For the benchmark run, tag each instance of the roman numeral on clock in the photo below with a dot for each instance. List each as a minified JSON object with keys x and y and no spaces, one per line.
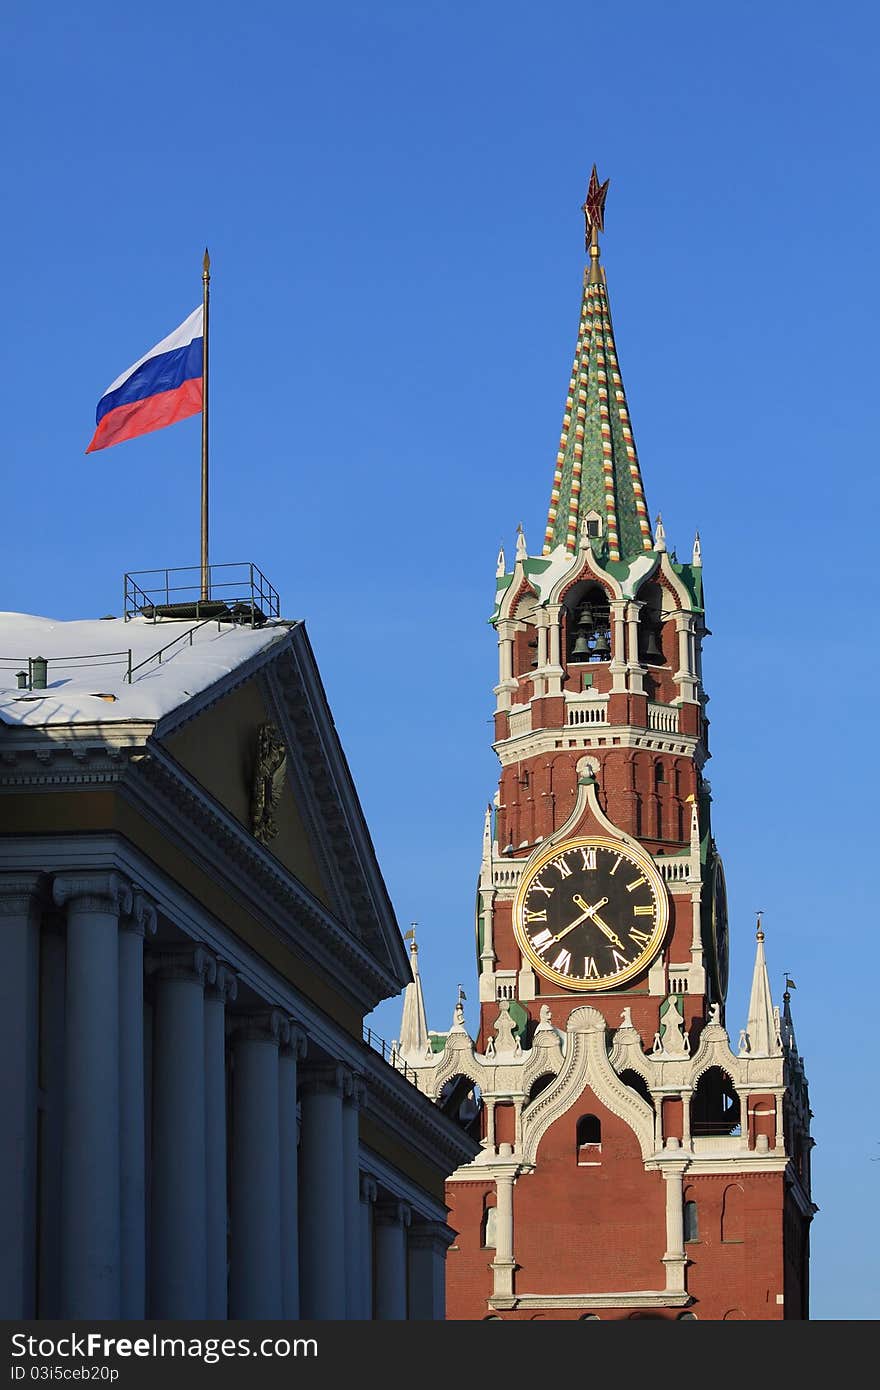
{"x":560,"y":864}
{"x":619,"y":960}
{"x":589,"y":858}
{"x":537,"y":915}
{"x":641,"y":938}
{"x":591,"y":971}
{"x":539,"y":888}
{"x":562,"y":962}
{"x":641,"y":910}
{"x":635,"y":883}
{"x":542,"y":940}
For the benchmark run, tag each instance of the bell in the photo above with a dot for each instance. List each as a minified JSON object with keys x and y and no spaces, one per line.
{"x":585,"y":617}
{"x":581,"y":649}
{"x":653,"y":649}
{"x":601,"y":646}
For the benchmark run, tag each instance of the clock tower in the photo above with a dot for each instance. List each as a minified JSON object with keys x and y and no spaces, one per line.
{"x":637,"y":1158}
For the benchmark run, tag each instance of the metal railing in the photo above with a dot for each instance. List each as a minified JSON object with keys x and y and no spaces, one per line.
{"x":28,"y":664}
{"x":390,"y":1055}
{"x":236,"y":592}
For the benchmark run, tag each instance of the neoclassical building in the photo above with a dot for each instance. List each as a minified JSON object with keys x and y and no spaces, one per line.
{"x":194,"y":926}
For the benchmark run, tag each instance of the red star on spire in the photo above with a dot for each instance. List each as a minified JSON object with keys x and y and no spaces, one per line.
{"x":594,"y":207}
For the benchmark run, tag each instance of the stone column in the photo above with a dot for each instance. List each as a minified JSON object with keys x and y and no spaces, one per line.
{"x":322,"y":1194}
{"x":686,"y":1119}
{"x":255,"y":1269}
{"x":504,"y":1264}
{"x":674,"y":1258}
{"x":618,"y":663}
{"x":368,"y":1191}
{"x":391,"y":1221}
{"x":178,"y":1255}
{"x":636,"y":673}
{"x":90,"y":1165}
{"x":132,"y":1197}
{"x":352,"y":1104}
{"x":428,"y":1242}
{"x":288,"y":1064}
{"x":221,"y":991}
{"x":19,"y":1048}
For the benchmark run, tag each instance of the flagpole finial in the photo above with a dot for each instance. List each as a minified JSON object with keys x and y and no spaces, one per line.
{"x":206,"y":266}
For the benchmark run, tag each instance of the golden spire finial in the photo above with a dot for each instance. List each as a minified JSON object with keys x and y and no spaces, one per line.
{"x":206,"y":266}
{"x":594,"y":219}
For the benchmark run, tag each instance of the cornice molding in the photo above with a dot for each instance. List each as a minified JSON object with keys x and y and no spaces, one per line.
{"x":184,"y":811}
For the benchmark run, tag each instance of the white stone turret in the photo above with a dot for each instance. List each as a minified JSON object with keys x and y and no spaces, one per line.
{"x":761,"y":1035}
{"x":413,"y":1042}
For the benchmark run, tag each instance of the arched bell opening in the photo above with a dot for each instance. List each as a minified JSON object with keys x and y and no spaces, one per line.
{"x":715,"y":1107}
{"x":651,"y":627}
{"x":462,"y":1101}
{"x":587,"y":624}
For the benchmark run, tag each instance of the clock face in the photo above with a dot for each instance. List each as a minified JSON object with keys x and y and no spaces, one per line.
{"x":590,"y":913}
{"x":719,"y":927}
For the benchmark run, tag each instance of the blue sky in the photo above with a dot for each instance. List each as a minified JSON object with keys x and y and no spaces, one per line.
{"x":391,"y":198}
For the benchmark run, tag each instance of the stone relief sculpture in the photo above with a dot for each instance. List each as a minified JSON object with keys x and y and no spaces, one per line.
{"x":271,"y":764}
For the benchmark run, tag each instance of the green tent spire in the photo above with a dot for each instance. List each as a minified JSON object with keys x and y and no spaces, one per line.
{"x":597,"y":467}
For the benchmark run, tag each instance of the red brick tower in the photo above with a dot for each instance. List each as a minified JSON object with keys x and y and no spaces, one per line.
{"x":634,"y":1164}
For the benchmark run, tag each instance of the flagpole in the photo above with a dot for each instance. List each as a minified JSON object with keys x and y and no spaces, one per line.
{"x":206,"y":281}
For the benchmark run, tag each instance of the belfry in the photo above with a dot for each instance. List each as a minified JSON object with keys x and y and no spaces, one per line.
{"x":639,"y":1156}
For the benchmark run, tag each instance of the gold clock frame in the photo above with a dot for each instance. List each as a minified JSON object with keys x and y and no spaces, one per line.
{"x":636,"y":856}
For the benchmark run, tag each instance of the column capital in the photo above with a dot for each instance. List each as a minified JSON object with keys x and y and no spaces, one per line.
{"x":224,"y":986}
{"x":393,"y":1213}
{"x":295,"y":1040}
{"x":141,"y":917}
{"x":20,"y":892}
{"x":368,"y":1188}
{"x":355,"y":1091}
{"x":326,"y":1076}
{"x":192,"y":963}
{"x":96,"y":892}
{"x":431,"y":1235}
{"x":261,"y":1025}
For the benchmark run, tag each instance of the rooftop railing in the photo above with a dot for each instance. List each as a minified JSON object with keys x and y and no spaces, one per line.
{"x":237,"y":592}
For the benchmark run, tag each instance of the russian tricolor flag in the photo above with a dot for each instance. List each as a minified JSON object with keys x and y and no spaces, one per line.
{"x":161,"y":388}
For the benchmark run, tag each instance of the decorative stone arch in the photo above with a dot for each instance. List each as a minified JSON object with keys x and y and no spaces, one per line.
{"x":586,"y":1064}
{"x":513,"y":595}
{"x":587,"y":569}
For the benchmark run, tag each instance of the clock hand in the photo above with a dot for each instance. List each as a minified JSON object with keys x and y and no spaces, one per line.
{"x":571,"y":926}
{"x":604,"y":927}
{"x":588,"y":911}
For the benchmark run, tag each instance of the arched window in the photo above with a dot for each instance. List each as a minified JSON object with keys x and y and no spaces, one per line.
{"x":686,"y":1317}
{"x":488,"y":1225}
{"x":732,"y":1215}
{"x":691,"y":1223}
{"x":715,"y":1105}
{"x":589,"y":1140}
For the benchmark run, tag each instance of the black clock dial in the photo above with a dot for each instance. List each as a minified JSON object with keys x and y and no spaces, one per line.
{"x":719,"y":927}
{"x":590,"y":913}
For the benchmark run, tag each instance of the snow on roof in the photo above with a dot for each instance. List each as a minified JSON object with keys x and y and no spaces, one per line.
{"x":88,"y":664}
